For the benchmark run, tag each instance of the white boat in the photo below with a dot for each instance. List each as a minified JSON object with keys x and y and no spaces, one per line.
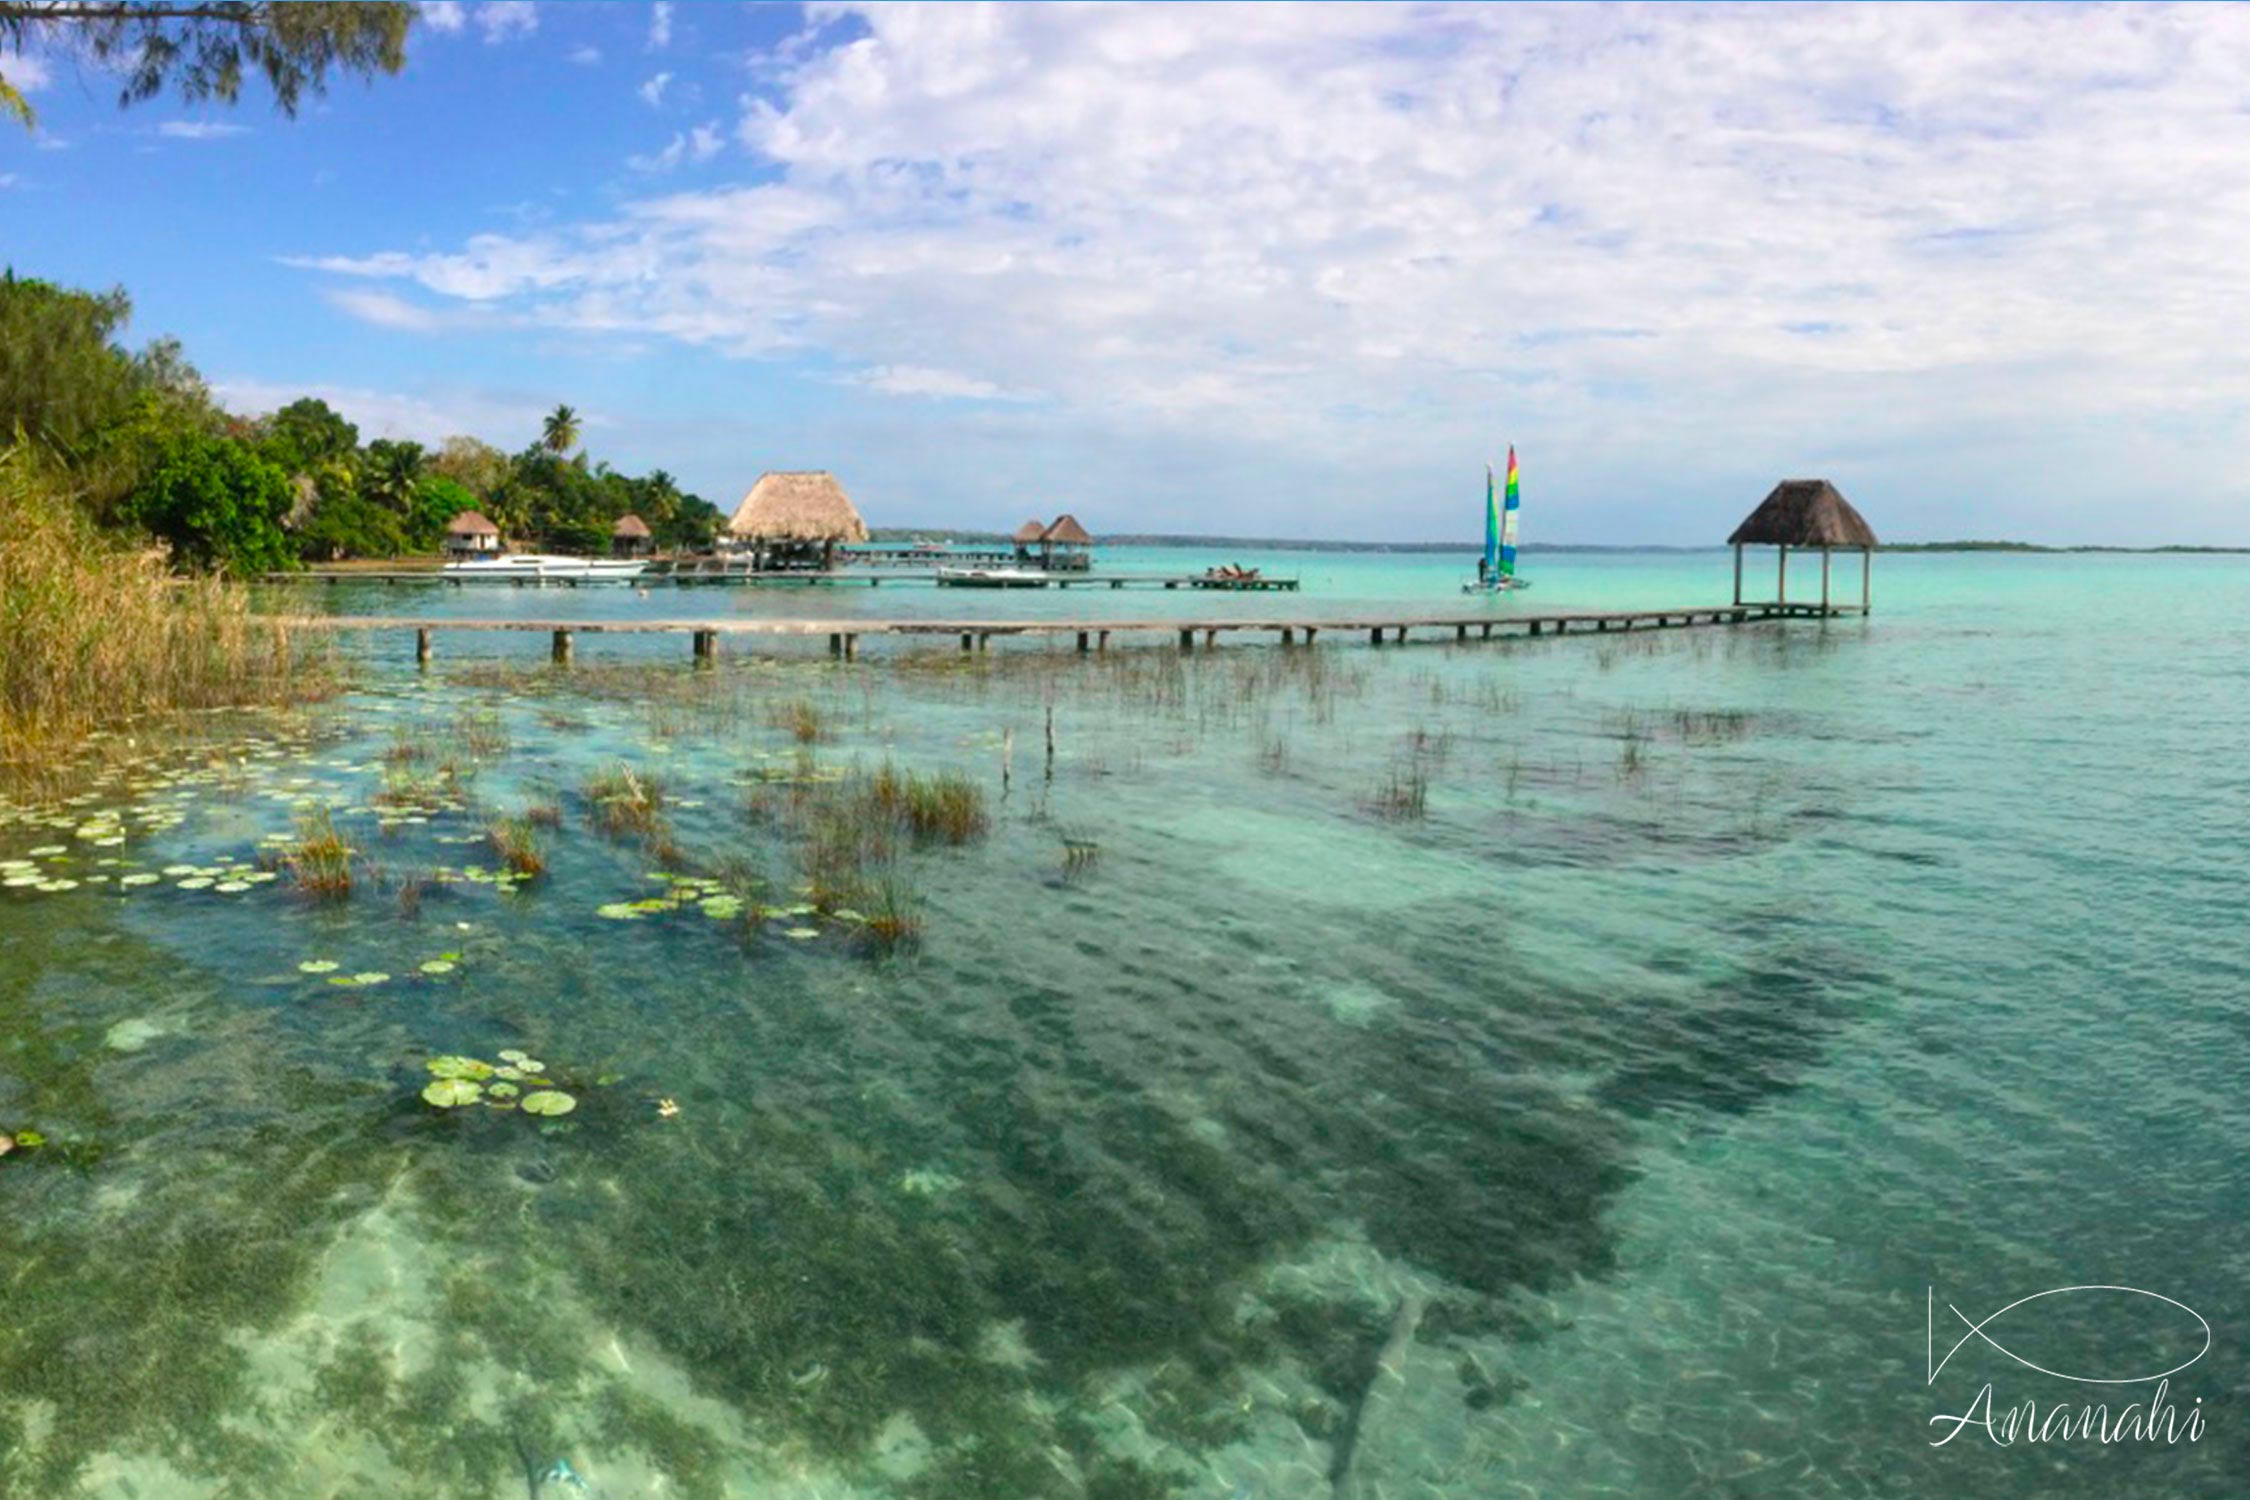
{"x":1496,"y":570}
{"x":517,"y":566}
{"x":990,"y":578}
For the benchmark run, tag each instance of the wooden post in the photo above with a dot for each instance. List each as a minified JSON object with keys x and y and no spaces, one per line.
{"x":1738,"y":572}
{"x":984,"y":640}
{"x":965,"y":639}
{"x":1210,"y":639}
{"x":1187,"y":640}
{"x":562,"y":648}
{"x":851,"y":646}
{"x":1824,"y":580}
{"x":422,"y":646}
{"x":1375,"y":636}
{"x":1461,"y":632}
{"x":1101,"y":641}
{"x":1487,"y":631}
{"x":1288,"y":636}
{"x":835,"y":643}
{"x":1783,"y":596}
{"x":1866,"y":578}
{"x":1534,"y":627}
{"x":706,"y":645}
{"x":1311,"y":631}
{"x":1083,"y":643}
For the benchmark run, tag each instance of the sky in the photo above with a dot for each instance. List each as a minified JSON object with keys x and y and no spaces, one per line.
{"x":1265,"y":270}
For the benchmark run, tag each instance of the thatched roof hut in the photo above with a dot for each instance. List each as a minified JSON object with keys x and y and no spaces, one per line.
{"x":805,"y":506}
{"x":1804,"y":513}
{"x":471,"y":534}
{"x":1810,"y":514}
{"x":630,"y":537}
{"x":1066,"y":532}
{"x":1031,"y":532}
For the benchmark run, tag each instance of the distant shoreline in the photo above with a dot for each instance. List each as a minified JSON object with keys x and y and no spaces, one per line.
{"x":1295,"y":544}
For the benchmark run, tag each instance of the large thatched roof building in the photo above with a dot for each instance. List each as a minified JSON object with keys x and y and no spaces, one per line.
{"x":795,"y":519}
{"x":1809,"y":514}
{"x":1804,"y":513}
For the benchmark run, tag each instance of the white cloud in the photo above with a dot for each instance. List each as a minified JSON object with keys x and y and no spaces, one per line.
{"x":444,"y":15}
{"x":500,"y":20}
{"x":652,"y":92}
{"x":918,"y":380}
{"x":1674,"y":250}
{"x":427,"y":418}
{"x":697,"y":145}
{"x":585,"y":57}
{"x":659,"y":26}
{"x":200,"y":130}
{"x":28,"y":74}
{"x":387,"y":311}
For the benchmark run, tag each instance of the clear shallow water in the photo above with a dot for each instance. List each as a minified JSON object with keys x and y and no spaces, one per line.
{"x":1732,"y":988}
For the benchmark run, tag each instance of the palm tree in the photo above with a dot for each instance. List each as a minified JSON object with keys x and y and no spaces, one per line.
{"x":560,"y":432}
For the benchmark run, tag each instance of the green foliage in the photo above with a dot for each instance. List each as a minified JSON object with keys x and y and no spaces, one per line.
{"x":216,"y":502}
{"x":62,"y":379}
{"x":308,"y":433}
{"x":203,"y":50}
{"x":477,"y":467}
{"x":559,"y":433}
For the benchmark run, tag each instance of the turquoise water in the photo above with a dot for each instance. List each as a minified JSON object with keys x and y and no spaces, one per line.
{"x":1626,"y":1034}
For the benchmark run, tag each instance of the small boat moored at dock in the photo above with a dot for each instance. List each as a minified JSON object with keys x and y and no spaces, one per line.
{"x":516,"y":566}
{"x":991,"y":578}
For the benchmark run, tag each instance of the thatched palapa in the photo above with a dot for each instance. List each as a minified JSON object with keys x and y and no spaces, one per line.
{"x":1813,"y":515}
{"x":471,"y":523}
{"x":807,"y":506}
{"x":1066,"y":532}
{"x":795,"y":519}
{"x":1804,"y":513}
{"x":471,"y":534}
{"x":630,"y":537}
{"x":1030,"y":532}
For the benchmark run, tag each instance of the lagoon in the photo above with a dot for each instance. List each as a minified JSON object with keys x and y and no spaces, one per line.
{"x":1665,"y":1014}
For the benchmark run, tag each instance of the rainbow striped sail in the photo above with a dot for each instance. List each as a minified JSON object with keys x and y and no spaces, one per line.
{"x":1491,"y":527}
{"x":1507,"y":567}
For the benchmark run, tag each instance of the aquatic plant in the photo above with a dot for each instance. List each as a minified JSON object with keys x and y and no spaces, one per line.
{"x":320,"y":862}
{"x":517,"y":844}
{"x":623,"y":800}
{"x":803,"y":720}
{"x":893,"y":919}
{"x":457,"y":1082}
{"x":102,"y":639}
{"x":1403,"y":795}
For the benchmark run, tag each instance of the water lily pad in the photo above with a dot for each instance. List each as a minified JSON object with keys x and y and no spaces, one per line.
{"x":617,"y":911}
{"x":436,"y":966}
{"x":320,"y":966}
{"x":531,"y":1065}
{"x":459,"y":1067}
{"x":195,"y":883}
{"x":370,"y":978}
{"x":448,"y":1093}
{"x":503,"y":1090}
{"x":58,"y":885}
{"x":229,"y":887}
{"x":144,"y":878}
{"x":802,"y":933}
{"x":512,"y":1054}
{"x":548,"y":1102}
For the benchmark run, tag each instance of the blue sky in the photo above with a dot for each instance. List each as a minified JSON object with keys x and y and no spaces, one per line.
{"x":1267,"y":269}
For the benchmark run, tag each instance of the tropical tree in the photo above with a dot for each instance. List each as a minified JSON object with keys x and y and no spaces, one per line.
{"x":477,"y":467}
{"x":62,"y":376}
{"x":202,"y":48}
{"x":216,"y":502}
{"x":559,"y":433}
{"x":390,"y":472}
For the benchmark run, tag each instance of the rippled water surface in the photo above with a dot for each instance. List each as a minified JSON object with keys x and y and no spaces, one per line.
{"x":1545,"y":1068}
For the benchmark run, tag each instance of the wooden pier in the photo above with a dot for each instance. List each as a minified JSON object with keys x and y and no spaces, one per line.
{"x":739,"y":577}
{"x":1094,"y":635}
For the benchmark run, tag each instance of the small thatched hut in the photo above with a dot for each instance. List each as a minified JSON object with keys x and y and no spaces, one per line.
{"x":793,"y":520}
{"x":1028,"y":537}
{"x":1069,"y":546}
{"x":471,"y":534}
{"x":630,"y":537}
{"x":1806,"y":514}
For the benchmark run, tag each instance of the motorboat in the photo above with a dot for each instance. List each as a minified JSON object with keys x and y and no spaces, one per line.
{"x":514,"y":567}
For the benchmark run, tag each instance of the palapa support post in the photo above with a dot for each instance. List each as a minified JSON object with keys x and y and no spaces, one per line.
{"x":1375,"y":636}
{"x":1083,"y":643}
{"x":835,"y":643}
{"x":1738,"y":572}
{"x":562,"y":648}
{"x":1866,"y":578}
{"x":706,"y":647}
{"x":1187,"y":640}
{"x":1312,"y":632}
{"x":966,"y":642}
{"x":1781,"y":595}
{"x":1288,"y":636}
{"x":1824,"y":581}
{"x":1487,"y":634}
{"x":1534,"y":627}
{"x":422,"y":646}
{"x":1460,"y":633}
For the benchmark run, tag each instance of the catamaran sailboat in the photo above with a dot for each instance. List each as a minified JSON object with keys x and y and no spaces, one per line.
{"x":1496,"y":570}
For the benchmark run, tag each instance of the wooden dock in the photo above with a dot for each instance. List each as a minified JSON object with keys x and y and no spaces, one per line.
{"x":741,"y":577}
{"x":1094,"y":635}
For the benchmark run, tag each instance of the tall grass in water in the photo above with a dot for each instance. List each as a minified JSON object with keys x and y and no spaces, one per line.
{"x":320,"y":862}
{"x":623,"y":800}
{"x":96,"y":636}
{"x":516,"y":842}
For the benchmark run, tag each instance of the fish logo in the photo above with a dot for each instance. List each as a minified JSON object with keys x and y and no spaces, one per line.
{"x":1977,"y":1330}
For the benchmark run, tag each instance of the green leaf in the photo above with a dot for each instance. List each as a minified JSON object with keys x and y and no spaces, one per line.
{"x":548,"y":1102}
{"x":448,"y":1093}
